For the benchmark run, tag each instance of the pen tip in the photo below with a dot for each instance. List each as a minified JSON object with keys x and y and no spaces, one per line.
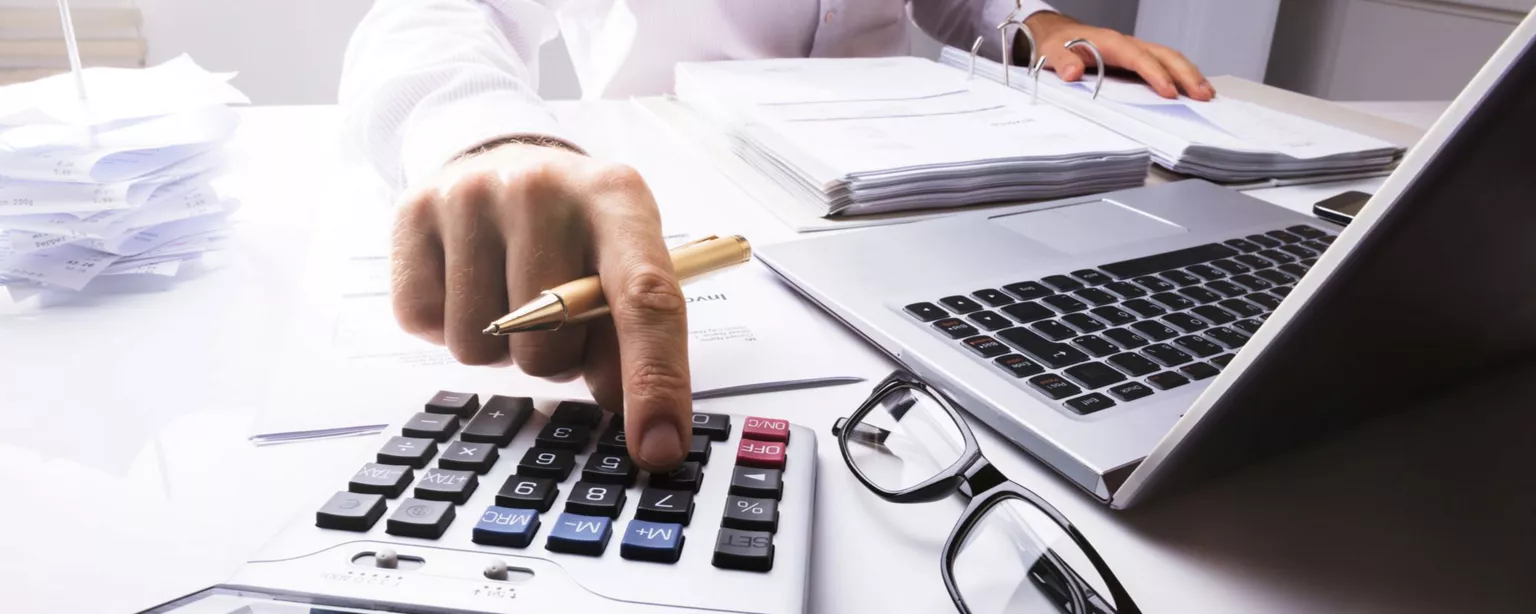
{"x":490,"y":330}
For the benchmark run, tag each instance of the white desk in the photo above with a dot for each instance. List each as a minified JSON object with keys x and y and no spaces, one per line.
{"x":128,"y":480}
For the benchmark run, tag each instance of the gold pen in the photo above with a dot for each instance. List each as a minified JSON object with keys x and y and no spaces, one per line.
{"x":582,"y":300}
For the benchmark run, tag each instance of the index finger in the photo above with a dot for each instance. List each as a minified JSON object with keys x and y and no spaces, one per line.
{"x":649,"y":313}
{"x":1184,"y":72}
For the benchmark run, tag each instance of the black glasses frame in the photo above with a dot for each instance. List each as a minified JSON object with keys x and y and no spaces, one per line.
{"x":973,"y":476}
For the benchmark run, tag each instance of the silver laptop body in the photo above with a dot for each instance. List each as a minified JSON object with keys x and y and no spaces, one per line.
{"x":1431,"y":285}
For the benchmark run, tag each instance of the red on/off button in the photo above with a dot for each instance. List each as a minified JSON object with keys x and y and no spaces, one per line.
{"x":766,"y":429}
{"x":760,"y":454}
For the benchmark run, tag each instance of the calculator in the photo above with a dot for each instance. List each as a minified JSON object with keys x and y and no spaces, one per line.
{"x":521,"y":505}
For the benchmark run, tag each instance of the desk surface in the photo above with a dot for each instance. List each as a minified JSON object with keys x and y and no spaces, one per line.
{"x":129,"y":480}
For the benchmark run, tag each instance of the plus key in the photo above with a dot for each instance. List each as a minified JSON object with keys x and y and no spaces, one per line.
{"x":766,"y":429}
{"x":760,"y":454}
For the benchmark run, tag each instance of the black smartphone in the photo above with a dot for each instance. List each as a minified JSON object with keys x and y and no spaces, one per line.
{"x":1343,"y":208}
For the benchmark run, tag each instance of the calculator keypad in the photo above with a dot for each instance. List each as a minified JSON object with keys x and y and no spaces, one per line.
{"x":420,"y":499}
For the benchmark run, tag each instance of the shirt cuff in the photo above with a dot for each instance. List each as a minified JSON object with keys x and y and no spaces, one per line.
{"x":436,"y":137}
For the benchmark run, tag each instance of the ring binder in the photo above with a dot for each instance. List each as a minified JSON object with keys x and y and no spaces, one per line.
{"x":1002,"y":42}
{"x":1098,"y":60}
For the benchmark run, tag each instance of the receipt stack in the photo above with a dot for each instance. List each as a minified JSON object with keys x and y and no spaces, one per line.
{"x":115,"y":189}
{"x":880,"y":135}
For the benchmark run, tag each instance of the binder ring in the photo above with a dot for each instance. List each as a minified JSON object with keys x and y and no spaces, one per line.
{"x":1099,"y":59}
{"x":1005,"y":52}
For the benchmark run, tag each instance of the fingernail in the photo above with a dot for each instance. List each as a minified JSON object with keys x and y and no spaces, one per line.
{"x":660,"y":445}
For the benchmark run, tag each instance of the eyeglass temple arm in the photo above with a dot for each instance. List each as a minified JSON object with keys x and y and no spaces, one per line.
{"x":865,"y":433}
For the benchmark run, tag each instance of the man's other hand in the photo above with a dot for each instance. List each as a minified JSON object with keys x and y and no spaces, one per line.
{"x":1166,"y":70}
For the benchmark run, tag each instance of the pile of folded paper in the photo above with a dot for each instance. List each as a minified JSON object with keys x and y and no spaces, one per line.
{"x":116,"y":187}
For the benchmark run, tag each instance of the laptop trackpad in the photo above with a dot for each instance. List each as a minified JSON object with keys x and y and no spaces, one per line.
{"x":1089,"y":227}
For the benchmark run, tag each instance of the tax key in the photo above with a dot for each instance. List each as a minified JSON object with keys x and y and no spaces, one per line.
{"x":506,"y":526}
{"x":652,"y":541}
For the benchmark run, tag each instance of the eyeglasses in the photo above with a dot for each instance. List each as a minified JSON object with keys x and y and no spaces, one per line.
{"x":1011,"y":552}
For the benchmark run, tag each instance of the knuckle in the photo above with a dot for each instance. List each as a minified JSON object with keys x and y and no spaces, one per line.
{"x":651,"y":293}
{"x":546,"y":356}
{"x":416,"y":212}
{"x":470,"y":192}
{"x":656,"y":380}
{"x":618,"y":178}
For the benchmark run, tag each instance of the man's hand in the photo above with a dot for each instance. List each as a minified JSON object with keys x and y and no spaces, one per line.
{"x":491,"y":231}
{"x":1166,"y":70}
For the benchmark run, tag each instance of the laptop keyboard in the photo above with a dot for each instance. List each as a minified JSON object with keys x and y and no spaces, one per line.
{"x":1126,"y":330}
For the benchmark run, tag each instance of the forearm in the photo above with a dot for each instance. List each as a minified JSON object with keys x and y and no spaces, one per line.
{"x":425,"y":80}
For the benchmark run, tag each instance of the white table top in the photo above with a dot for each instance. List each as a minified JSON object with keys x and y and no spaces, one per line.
{"x":129,"y":480}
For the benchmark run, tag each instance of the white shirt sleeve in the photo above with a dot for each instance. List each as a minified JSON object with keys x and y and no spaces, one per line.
{"x":415,"y":69}
{"x":957,"y":23}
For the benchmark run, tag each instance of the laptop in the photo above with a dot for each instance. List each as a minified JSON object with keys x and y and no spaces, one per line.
{"x":1144,"y":340}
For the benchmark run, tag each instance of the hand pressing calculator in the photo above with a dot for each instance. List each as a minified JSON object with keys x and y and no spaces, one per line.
{"x":514,"y":505}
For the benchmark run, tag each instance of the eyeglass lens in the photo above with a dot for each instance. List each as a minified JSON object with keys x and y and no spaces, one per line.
{"x":1016,"y":560}
{"x":905,"y":440}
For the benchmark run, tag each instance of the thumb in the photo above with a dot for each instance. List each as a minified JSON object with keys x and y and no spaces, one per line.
{"x":1068,"y":65}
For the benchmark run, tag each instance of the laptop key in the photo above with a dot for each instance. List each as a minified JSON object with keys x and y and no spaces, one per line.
{"x":1199,"y":371}
{"x":1206,"y":272}
{"x":1028,"y":290}
{"x":1180,"y":278}
{"x":992,"y":297}
{"x":960,"y":304}
{"x":1247,"y":326}
{"x":1252,"y":283}
{"x":1125,"y":289}
{"x":1173,"y":301}
{"x":1094,"y":345}
{"x":1144,"y":308}
{"x":1226,"y":288}
{"x":1265,"y":241}
{"x":1167,"y":380}
{"x":955,"y":328}
{"x":1156,"y":331}
{"x":1264,"y":299}
{"x":1062,"y":283}
{"x":1316,"y":246}
{"x":1277,"y":277}
{"x":1243,"y":309}
{"x":1018,"y":366}
{"x":1283,"y":236}
{"x":1223,"y":360}
{"x":1296,"y":269}
{"x":989,"y":320}
{"x":1244,"y":245}
{"x":1232,"y":267}
{"x":1130,"y":391}
{"x":925,"y":312}
{"x":1054,"y":386}
{"x":1115,"y":316}
{"x":1049,"y":353}
{"x":1254,"y":261}
{"x":1025,"y":313}
{"x":1299,"y":251}
{"x":1177,"y":259}
{"x":1089,"y":403}
{"x":1200,"y":295}
{"x":1125,"y":338}
{"x":1213,"y":314}
{"x":1064,"y":304}
{"x":1282,"y":291}
{"x":1134,"y":364}
{"x":1227,"y":337}
{"x":1199,"y":346}
{"x":1306,"y":232}
{"x":1054,"y":330}
{"x":1091,"y":277}
{"x":1083,"y":323}
{"x":1095,"y":297}
{"x":1277,"y":256}
{"x":986,"y":347}
{"x":1166,"y":355}
{"x":1154,"y":284}
{"x":1093,"y":375}
{"x":1185,"y":322}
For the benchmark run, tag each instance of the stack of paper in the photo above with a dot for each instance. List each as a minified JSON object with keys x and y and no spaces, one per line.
{"x":115,"y":186}
{"x":1224,"y":140}
{"x":876,"y":135}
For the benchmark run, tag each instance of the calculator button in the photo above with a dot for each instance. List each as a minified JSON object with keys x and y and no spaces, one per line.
{"x":431,"y":426}
{"x":378,"y":479}
{"x":578,"y":534}
{"x":350,"y":511}
{"x":1130,"y":391}
{"x":698,"y":449}
{"x":447,"y":485}
{"x":476,"y":457}
{"x":505,"y":526}
{"x":662,"y":505}
{"x":613,"y":439}
{"x":750,"y":514}
{"x":761,"y":483}
{"x":527,"y":492}
{"x":546,"y":463}
{"x":716,"y":426}
{"x":593,"y":499}
{"x":652,"y":541}
{"x":461,"y":404}
{"x":1090,"y":403}
{"x":926,"y":312}
{"x":574,"y":412}
{"x":412,"y":451}
{"x":420,"y":518}
{"x":1019,"y":366}
{"x":498,"y":421}
{"x":687,"y":476}
{"x":766,"y":429}
{"x":563,"y":437}
{"x":1167,"y":380}
{"x":764,"y":454}
{"x":610,"y":468}
{"x":744,"y":550}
